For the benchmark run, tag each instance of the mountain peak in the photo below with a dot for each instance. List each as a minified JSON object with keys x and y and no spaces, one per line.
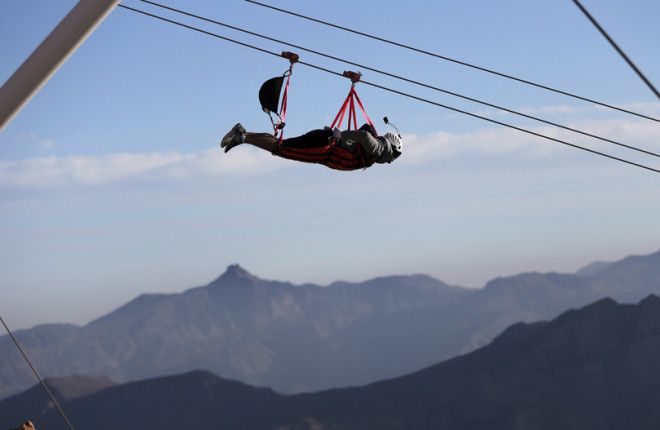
{"x":235,"y":273}
{"x":651,"y":301}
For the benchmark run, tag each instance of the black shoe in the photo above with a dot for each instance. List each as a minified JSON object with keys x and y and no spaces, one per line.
{"x":232,"y":138}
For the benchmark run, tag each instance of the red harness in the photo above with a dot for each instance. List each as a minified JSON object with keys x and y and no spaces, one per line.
{"x":332,"y":154}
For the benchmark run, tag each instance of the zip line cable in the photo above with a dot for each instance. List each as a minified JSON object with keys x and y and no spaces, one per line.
{"x":453,"y":60}
{"x":617,"y":48}
{"x":399,"y":77}
{"x":34,"y":370}
{"x":524,"y":130}
{"x":391,"y":90}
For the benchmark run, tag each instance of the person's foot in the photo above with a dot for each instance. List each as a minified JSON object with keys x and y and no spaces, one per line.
{"x":232,"y":138}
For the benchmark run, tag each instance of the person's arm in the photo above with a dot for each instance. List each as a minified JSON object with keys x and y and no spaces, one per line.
{"x":375,"y":148}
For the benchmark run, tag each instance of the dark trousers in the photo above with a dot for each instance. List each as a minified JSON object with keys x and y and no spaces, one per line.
{"x":313,"y":139}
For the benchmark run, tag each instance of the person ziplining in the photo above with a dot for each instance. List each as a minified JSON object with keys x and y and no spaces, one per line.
{"x":350,"y":149}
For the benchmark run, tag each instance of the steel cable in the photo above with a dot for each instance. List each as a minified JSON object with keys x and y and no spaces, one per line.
{"x":617,"y":48}
{"x":34,"y":370}
{"x":399,"y":77}
{"x":391,"y":90}
{"x":453,"y":60}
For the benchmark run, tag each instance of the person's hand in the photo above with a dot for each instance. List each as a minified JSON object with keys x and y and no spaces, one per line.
{"x":336,"y":133}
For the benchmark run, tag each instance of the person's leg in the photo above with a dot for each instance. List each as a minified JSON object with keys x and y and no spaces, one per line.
{"x":268,"y":142}
{"x":265,"y":141}
{"x":238,"y":135}
{"x":312,"y":139}
{"x":311,"y":147}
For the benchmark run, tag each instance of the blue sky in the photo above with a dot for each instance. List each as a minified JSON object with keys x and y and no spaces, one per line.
{"x":111,"y":183}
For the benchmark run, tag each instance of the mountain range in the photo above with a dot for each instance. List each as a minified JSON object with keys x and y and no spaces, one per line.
{"x":592,"y":368}
{"x":298,"y":338}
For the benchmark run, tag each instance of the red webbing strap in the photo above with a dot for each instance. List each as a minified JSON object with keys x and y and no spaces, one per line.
{"x":349,"y":104}
{"x":340,"y":115}
{"x":364,"y":112}
{"x":352,"y":111}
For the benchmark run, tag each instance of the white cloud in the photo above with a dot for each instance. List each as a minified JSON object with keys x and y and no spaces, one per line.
{"x":156,"y":166}
{"x":442,"y":145}
{"x":48,"y":172}
{"x":46,"y":143}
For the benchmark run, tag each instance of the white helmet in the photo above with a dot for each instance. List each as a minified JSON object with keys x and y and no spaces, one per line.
{"x":395,"y":141}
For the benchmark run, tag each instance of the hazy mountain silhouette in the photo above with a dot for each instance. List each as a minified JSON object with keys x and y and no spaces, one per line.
{"x":304,"y":338}
{"x":629,"y":278}
{"x":271,"y":333}
{"x":34,"y":401}
{"x":594,"y":268}
{"x":593,"y":368}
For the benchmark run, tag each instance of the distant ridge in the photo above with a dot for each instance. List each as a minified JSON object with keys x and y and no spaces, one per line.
{"x":597,"y":366}
{"x":593,"y":269}
{"x":34,"y":401}
{"x":297,"y":338}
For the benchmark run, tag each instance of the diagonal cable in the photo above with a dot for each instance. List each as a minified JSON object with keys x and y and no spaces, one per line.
{"x":34,"y":370}
{"x":394,"y":91}
{"x":453,"y":60}
{"x":617,"y":48}
{"x":399,"y":77}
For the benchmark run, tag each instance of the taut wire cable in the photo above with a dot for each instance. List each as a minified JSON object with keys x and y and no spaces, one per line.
{"x":399,"y":77}
{"x":453,"y":60}
{"x":391,"y":90}
{"x":34,"y":370}
{"x":617,"y":48}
